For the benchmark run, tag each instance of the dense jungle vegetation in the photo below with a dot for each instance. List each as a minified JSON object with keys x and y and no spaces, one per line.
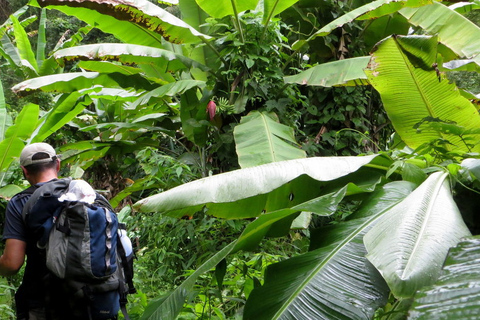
{"x":275,"y":159}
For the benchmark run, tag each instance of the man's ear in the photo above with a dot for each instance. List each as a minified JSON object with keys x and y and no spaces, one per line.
{"x":58,"y":165}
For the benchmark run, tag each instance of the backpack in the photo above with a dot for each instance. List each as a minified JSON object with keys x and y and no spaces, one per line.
{"x":86,"y":247}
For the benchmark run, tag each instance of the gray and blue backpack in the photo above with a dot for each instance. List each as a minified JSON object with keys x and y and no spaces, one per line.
{"x":83,"y":247}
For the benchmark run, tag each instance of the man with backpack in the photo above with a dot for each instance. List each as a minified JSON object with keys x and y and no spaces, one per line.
{"x":40,"y":164}
{"x":62,"y":235}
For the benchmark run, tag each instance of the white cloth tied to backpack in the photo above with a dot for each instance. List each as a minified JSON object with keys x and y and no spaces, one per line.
{"x":79,"y":190}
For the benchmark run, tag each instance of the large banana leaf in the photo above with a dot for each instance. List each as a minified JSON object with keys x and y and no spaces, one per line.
{"x":248,"y":192}
{"x":260,"y":139}
{"x":334,"y":281}
{"x":67,"y":107}
{"x":453,"y":30}
{"x":409,"y":244}
{"x":12,"y":145}
{"x":136,"y":21}
{"x":23,"y":46}
{"x":128,"y":54}
{"x":70,"y":82}
{"x":370,"y":10}
{"x":347,"y":72}
{"x":456,"y":294}
{"x":222,"y":8}
{"x":195,"y":16}
{"x":412,"y":91}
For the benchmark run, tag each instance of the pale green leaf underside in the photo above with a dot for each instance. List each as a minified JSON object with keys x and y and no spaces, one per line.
{"x":329,"y":282}
{"x":409,"y":243}
{"x":244,"y":183}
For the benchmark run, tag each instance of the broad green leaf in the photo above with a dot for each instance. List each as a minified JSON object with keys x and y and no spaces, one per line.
{"x":70,"y":82}
{"x":196,"y":17}
{"x":220,"y":9}
{"x":136,"y":21}
{"x":261,"y":139}
{"x":335,"y":280}
{"x":169,"y":306}
{"x":411,"y":92}
{"x":347,"y":72}
{"x":271,"y":8}
{"x":23,"y":46}
{"x":129,"y":54}
{"x":229,"y":187}
{"x":12,"y":145}
{"x":67,"y":107}
{"x":456,"y":293}
{"x":452,"y":29}
{"x":370,"y":10}
{"x":409,"y":244}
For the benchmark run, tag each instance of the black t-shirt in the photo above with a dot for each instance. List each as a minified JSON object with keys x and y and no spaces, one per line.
{"x":31,"y":293}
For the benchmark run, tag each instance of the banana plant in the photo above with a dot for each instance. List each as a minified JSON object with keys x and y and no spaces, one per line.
{"x":408,"y":66}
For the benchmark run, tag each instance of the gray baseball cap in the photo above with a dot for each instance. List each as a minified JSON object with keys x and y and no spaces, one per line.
{"x":28,"y":153}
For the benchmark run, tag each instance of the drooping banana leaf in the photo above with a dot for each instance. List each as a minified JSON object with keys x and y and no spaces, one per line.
{"x":222,"y":8}
{"x":129,"y":54}
{"x":66,"y":107}
{"x":261,"y":139}
{"x":452,"y":29}
{"x":24,"y":47}
{"x":12,"y":145}
{"x":70,"y":82}
{"x":456,"y":294}
{"x":196,"y":17}
{"x":248,"y":192}
{"x":409,"y":244}
{"x":335,"y":280}
{"x":370,"y":10}
{"x":136,"y":21}
{"x":169,"y":306}
{"x":347,"y":72}
{"x":402,"y":71}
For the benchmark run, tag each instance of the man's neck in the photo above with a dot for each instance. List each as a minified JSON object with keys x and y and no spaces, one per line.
{"x":44,"y":177}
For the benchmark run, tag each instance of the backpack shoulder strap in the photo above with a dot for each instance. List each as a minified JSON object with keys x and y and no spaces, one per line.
{"x":53,"y":188}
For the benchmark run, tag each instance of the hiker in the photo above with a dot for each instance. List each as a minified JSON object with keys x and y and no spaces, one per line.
{"x":40,"y":164}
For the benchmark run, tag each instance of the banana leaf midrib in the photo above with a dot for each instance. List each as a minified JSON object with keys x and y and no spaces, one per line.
{"x":369,"y":221}
{"x":429,"y":211}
